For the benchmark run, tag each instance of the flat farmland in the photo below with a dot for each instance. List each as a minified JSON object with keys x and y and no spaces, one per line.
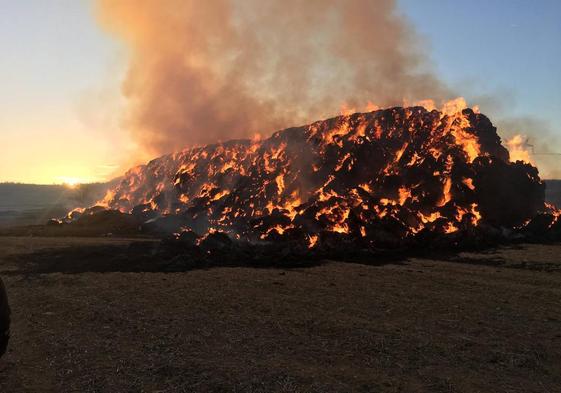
{"x":465,"y":323}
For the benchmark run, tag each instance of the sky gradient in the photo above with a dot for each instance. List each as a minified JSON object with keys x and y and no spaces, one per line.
{"x":60,"y":76}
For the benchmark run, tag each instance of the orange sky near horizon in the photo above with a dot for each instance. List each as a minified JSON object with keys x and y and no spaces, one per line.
{"x":60,"y":98}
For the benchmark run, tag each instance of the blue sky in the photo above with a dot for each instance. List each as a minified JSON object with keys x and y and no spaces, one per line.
{"x":510,"y":47}
{"x":59,"y":76}
{"x":504,"y":55}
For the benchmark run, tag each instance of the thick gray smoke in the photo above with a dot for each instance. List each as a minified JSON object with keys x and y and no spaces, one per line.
{"x":205,"y":71}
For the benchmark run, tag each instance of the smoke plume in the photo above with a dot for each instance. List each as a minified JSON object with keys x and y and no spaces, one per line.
{"x":205,"y":71}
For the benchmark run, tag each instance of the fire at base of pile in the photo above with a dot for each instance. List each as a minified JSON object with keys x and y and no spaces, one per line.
{"x":393,"y":178}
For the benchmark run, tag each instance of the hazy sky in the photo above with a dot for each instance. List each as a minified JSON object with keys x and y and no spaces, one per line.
{"x":60,"y":75}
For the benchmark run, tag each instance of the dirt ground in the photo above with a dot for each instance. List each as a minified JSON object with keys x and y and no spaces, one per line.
{"x":486,"y":322}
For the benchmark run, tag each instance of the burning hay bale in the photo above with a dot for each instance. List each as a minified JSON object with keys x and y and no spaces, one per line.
{"x":384,"y":179}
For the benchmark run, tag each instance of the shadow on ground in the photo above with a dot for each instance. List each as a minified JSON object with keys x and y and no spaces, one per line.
{"x":148,"y":256}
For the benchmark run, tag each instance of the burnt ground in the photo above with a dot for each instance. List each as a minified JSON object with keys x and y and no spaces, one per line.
{"x":86,"y":320}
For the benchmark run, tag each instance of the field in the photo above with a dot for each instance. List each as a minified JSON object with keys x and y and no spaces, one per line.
{"x":485,"y":322}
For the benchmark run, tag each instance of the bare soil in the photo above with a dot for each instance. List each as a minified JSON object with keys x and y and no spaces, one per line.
{"x":473,"y":322}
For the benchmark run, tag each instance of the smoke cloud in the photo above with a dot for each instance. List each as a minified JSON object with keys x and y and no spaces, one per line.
{"x":205,"y":71}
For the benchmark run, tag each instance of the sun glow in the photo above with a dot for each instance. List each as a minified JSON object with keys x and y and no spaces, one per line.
{"x":72,"y":182}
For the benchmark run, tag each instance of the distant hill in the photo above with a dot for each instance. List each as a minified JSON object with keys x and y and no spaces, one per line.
{"x":25,"y":204}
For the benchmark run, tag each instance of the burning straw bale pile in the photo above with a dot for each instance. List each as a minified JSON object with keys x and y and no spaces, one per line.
{"x":390,"y":178}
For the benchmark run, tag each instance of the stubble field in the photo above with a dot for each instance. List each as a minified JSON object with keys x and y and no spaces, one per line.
{"x":465,"y":323}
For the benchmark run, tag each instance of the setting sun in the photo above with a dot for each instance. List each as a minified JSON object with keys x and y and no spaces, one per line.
{"x":72,"y":182}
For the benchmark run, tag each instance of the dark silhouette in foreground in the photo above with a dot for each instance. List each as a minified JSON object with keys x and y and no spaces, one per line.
{"x":4,"y":319}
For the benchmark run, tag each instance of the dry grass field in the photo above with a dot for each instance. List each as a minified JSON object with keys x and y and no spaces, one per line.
{"x":485,"y":322}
